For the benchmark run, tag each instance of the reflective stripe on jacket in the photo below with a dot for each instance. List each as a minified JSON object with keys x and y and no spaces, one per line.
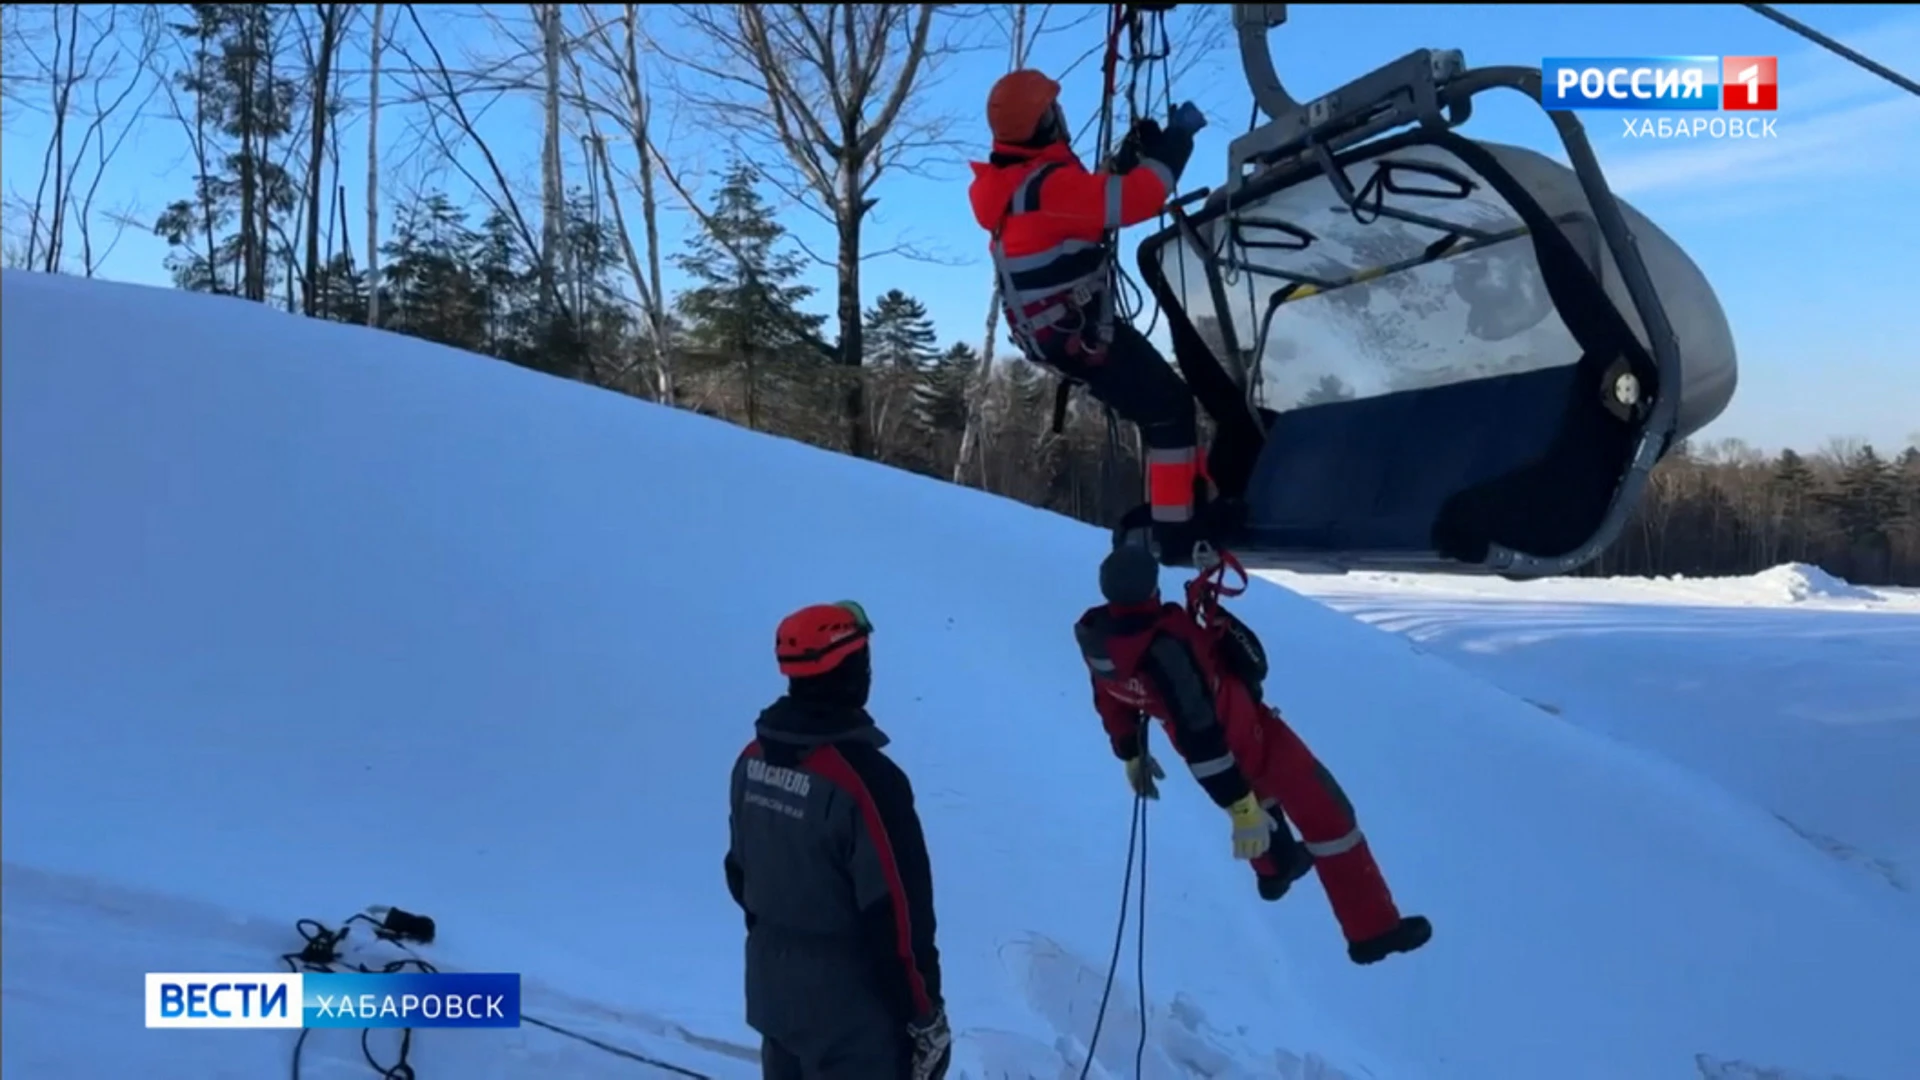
{"x":1050,"y":217}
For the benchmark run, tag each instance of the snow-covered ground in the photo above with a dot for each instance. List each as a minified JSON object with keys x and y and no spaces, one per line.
{"x":302,"y":617}
{"x":1790,"y":688}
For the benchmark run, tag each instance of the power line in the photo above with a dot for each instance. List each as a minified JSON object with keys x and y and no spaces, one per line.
{"x":1836,"y":48}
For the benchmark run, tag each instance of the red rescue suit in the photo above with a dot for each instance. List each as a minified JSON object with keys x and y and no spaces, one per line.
{"x":1204,"y":686}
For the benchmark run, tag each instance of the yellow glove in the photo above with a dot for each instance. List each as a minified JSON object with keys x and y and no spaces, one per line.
{"x":1252,"y":828}
{"x":1141,"y":774}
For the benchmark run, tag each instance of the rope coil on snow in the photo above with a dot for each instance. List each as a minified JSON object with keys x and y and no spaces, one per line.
{"x":321,"y":955}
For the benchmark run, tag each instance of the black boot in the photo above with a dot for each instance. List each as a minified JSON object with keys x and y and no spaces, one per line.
{"x":1135,"y":528}
{"x":1177,"y":542}
{"x":1217,"y":522}
{"x":1294,"y":865}
{"x":1174,"y":541}
{"x":1171,"y":542}
{"x":1413,"y":932}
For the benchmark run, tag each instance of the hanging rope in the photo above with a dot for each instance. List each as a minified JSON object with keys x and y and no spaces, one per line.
{"x":1112,"y":485}
{"x":1124,"y":18}
{"x":1139,"y":28}
{"x":1136,"y":846}
{"x":1149,"y":48}
{"x":1121,"y":19}
{"x":1207,"y":588}
{"x":1832,"y":46}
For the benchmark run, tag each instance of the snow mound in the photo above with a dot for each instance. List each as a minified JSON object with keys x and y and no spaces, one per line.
{"x":1746,"y":695}
{"x":302,"y":617}
{"x":1788,"y":586}
{"x":1798,"y":582}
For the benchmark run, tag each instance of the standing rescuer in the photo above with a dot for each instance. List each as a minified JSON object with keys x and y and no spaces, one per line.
{"x":828,"y":862}
{"x":1204,"y":683}
{"x":1050,"y":218}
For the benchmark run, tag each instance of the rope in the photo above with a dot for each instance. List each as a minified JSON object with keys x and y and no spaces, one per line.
{"x":321,"y":955}
{"x":1149,"y":46}
{"x":1124,"y":297}
{"x":1207,"y":587}
{"x":1118,"y":19}
{"x":1770,"y":12}
{"x":1136,"y":845}
{"x":609,"y":1048}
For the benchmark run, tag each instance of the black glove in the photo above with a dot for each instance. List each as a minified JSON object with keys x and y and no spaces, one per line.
{"x":1144,"y":133}
{"x":1188,"y":118}
{"x":1171,"y":148}
{"x":932,"y":1046}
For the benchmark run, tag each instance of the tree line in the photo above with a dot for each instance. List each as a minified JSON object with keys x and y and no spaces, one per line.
{"x":1724,"y":508}
{"x":815,"y":107}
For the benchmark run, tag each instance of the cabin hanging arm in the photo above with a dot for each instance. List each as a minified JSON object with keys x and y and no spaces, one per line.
{"x":1250,"y":24}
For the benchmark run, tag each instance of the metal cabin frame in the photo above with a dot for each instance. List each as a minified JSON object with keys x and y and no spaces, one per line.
{"x":1430,"y":90}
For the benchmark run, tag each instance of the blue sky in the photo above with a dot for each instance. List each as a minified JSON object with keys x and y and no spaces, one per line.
{"x":1806,"y":237}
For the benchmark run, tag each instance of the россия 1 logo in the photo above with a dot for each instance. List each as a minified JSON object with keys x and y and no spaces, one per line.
{"x":1669,"y":84}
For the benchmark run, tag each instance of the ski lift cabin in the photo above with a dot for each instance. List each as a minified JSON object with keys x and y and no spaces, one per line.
{"x":1424,"y":352}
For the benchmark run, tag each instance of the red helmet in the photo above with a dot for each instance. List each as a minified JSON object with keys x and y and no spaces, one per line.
{"x":818,"y":638}
{"x":1019,"y":103}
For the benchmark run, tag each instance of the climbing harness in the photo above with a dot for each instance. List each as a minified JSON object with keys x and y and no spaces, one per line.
{"x":1210,"y":585}
{"x":1062,"y":313}
{"x":321,"y":954}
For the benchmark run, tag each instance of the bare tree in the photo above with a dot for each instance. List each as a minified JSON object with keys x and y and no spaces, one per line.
{"x":333,"y":18}
{"x":92,"y":62}
{"x":16,"y":40}
{"x":831,"y":87}
{"x":629,"y":103}
{"x":451,"y":127}
{"x":553,"y":195}
{"x":373,"y":165}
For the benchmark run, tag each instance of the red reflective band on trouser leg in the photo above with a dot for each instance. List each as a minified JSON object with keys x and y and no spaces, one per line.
{"x":1358,"y":893}
{"x":1170,"y":476}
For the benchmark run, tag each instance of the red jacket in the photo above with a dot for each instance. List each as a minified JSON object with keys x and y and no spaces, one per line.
{"x":1157,"y":662}
{"x":1050,"y":216}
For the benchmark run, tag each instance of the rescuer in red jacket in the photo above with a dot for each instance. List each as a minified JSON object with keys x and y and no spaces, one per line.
{"x":1204,"y":684}
{"x":1050,"y":219}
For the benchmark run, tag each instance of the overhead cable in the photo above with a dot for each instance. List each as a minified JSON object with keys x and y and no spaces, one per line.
{"x":1836,"y":48}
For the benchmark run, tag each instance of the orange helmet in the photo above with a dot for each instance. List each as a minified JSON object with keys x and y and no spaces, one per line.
{"x":818,"y":638}
{"x":1019,"y":103}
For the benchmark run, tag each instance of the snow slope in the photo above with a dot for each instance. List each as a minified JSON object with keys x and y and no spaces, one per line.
{"x":301,"y":617}
{"x":1790,"y":688}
